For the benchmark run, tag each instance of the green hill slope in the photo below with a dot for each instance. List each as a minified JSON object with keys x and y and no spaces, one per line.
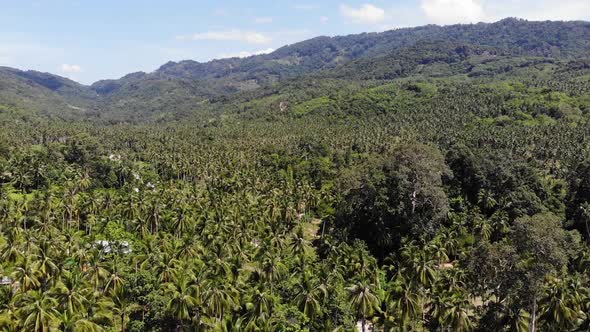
{"x":178,"y":89}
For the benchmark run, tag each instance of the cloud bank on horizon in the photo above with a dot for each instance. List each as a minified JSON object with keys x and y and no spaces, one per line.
{"x":446,"y":12}
{"x":107,"y":43}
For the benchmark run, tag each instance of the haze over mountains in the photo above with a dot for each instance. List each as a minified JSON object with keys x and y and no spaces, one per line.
{"x":178,"y":88}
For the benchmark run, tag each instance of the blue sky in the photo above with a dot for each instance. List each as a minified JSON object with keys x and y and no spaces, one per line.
{"x":91,"y":40}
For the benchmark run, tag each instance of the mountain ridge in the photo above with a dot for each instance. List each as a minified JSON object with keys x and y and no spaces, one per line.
{"x":179,"y":86}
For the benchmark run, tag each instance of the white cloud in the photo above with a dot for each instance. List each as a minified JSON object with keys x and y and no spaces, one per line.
{"x":554,"y":10}
{"x":71,"y":69}
{"x":324,"y":19}
{"x":453,"y":11}
{"x":263,"y":20}
{"x":366,"y":13}
{"x":472,"y":11}
{"x":250,"y":37}
{"x":245,"y":54}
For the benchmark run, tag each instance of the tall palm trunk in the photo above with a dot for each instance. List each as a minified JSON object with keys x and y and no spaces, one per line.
{"x":533,"y":315}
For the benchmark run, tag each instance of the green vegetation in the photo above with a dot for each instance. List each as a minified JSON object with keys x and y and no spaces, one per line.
{"x":442,"y":186}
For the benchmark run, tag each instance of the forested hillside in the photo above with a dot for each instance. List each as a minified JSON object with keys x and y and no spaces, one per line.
{"x":424,"y":179}
{"x":175,"y":90}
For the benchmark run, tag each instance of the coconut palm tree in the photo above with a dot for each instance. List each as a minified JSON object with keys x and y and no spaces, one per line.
{"x":72,"y":293}
{"x":123,"y":306}
{"x":77,"y":323}
{"x":451,"y":309}
{"x":96,"y":270}
{"x":37,"y":311}
{"x":8,"y":308}
{"x":310,"y":297}
{"x":403,"y":301}
{"x":271,"y":269}
{"x":364,"y":301}
{"x":27,"y":274}
{"x":184,"y":297}
{"x":220,"y":300}
{"x":260,"y":306}
{"x":562,"y":306}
